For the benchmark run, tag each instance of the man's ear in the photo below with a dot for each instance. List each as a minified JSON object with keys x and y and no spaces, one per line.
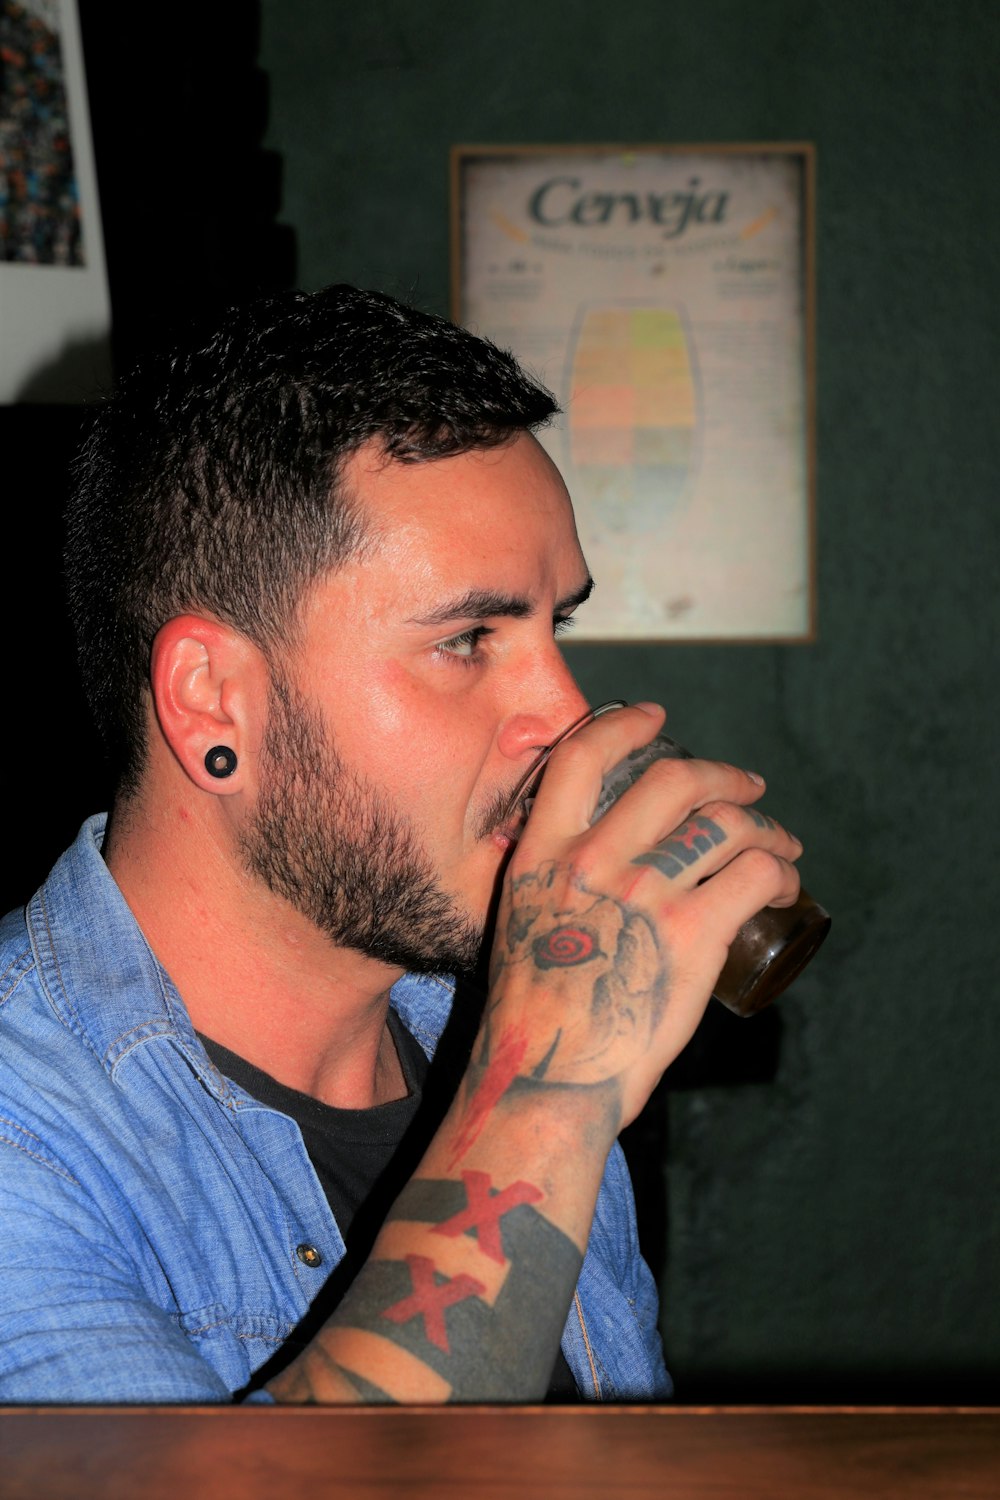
{"x":209,"y":691}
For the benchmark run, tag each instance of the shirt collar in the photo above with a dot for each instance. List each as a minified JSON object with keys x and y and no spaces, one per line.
{"x":82,"y":930}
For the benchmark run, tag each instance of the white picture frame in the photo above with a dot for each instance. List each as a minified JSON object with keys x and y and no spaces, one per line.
{"x":55,"y":313}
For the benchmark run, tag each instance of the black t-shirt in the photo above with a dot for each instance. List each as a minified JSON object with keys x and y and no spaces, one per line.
{"x":362,"y":1157}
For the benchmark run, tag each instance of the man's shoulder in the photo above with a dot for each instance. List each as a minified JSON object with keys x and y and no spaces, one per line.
{"x":22,"y":1013}
{"x":16,"y":957}
{"x":47,"y":1077}
{"x":78,"y":989}
{"x":94,"y":966}
{"x":23,"y":1018}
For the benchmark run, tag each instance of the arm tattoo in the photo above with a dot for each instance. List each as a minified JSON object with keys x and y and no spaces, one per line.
{"x":368,"y":1391}
{"x":484,"y":1208}
{"x":502,"y":1066}
{"x":485,"y":1341}
{"x":429,"y":1296}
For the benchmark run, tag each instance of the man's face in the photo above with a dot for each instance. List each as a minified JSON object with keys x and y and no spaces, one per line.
{"x":426,"y":681}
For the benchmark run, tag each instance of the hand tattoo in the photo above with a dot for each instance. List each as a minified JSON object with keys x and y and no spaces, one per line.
{"x":760,"y":818}
{"x":684,"y":847}
{"x":554,"y":928}
{"x":565,"y":946}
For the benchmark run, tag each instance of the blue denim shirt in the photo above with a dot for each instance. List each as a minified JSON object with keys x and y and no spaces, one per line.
{"x":151,"y":1210}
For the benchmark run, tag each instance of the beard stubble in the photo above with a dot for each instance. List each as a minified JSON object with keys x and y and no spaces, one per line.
{"x":323,"y":838}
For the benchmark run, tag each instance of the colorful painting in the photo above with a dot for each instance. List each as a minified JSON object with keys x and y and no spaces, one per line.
{"x":55,"y":310}
{"x":39,"y":198}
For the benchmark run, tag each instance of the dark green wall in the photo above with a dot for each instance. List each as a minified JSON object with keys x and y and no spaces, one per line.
{"x":835,"y":1228}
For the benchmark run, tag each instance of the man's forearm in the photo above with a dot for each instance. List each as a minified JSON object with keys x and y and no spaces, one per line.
{"x":467,"y":1289}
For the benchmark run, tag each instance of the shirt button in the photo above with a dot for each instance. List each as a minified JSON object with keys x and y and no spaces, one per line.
{"x":309,"y":1256}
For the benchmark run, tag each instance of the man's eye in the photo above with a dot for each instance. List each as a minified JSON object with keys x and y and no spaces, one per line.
{"x":562,"y":624}
{"x":463,"y":645}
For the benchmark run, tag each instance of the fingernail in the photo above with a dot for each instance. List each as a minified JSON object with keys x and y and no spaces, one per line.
{"x":758,"y":780}
{"x":654,"y":710}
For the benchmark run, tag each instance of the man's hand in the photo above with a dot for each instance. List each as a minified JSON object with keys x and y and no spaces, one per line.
{"x":609,"y":938}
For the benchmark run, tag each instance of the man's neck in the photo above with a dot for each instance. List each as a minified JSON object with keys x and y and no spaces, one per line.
{"x":255,"y":975}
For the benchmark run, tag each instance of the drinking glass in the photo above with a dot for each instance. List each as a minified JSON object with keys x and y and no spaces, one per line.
{"x":769,"y":950}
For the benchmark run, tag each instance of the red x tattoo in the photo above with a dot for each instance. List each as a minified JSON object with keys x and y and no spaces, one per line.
{"x":429,"y":1299}
{"x":484,"y":1209}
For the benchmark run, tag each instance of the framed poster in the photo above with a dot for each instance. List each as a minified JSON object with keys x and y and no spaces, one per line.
{"x":54,"y":306}
{"x":664,"y":294}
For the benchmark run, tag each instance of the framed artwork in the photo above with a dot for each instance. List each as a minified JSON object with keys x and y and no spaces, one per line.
{"x":665,"y":296}
{"x":54,"y":304}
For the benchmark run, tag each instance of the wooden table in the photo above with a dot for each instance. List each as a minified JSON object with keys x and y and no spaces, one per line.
{"x":500,"y":1453}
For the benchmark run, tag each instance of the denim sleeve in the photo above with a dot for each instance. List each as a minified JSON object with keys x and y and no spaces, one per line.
{"x":640,"y":1288}
{"x":75,"y":1324}
{"x":611,"y":1340}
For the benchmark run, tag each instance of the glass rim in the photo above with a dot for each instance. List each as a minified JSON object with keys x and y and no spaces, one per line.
{"x":523,"y":788}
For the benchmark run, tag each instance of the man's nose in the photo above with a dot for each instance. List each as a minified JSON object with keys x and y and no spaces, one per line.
{"x":550,"y":704}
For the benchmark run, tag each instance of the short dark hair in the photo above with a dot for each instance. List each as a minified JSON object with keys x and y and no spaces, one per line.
{"x":210,"y":481}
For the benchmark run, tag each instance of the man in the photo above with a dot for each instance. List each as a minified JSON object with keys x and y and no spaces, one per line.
{"x":317,"y":564}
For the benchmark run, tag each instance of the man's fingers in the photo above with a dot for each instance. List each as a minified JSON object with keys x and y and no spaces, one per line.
{"x":670,"y":792}
{"x":567,"y":794}
{"x":662,"y":797}
{"x":754,"y":879}
{"x":710,"y":838}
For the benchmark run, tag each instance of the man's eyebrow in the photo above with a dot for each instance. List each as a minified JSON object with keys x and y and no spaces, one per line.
{"x":480,"y":604}
{"x":574,"y":600}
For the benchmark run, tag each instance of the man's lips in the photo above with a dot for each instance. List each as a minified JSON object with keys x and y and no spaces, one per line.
{"x":513,"y":826}
{"x":505,"y":814}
